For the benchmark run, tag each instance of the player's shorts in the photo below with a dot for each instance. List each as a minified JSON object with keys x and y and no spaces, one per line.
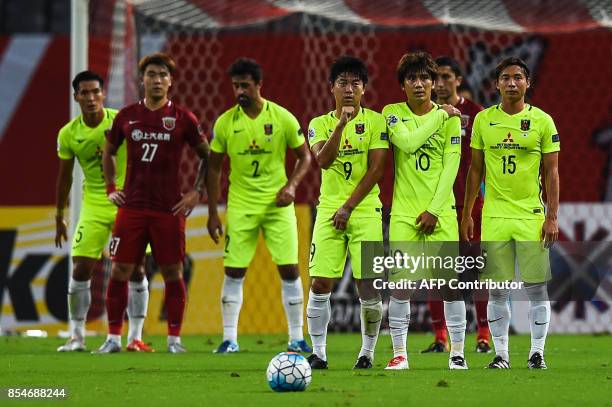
{"x":506,"y":241}
{"x":405,"y":237}
{"x":135,"y":228}
{"x":279,"y":227}
{"x":93,"y":230}
{"x":329,"y":247}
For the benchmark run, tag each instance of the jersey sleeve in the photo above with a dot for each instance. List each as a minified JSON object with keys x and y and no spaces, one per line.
{"x":317,"y":131}
{"x":380,"y":136}
{"x":63,"y":146}
{"x":115,"y":135}
{"x":219,"y":141}
{"x":194,"y":135}
{"x":476,"y":139}
{"x":407,"y":141}
{"x":293,"y":133}
{"x":550,"y":137}
{"x":451,"y":159}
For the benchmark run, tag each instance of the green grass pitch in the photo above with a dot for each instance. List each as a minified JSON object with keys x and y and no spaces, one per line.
{"x":579,"y":374}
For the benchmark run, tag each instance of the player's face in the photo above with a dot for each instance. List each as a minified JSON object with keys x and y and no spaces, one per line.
{"x":348,"y":90}
{"x":90,"y":97}
{"x":246,"y":90}
{"x":446,"y":82}
{"x":417,"y":86}
{"x":512,"y":84}
{"x":156,"y":80}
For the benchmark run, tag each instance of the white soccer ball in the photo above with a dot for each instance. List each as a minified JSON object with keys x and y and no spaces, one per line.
{"x":289,"y":371}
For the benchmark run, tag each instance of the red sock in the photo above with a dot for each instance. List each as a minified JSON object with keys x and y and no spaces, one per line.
{"x":436,"y":310}
{"x":116,"y":303}
{"x":175,"y":305}
{"x":481,"y":319}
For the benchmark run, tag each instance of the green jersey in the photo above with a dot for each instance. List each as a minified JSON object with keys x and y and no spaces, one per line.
{"x":367,"y":131}
{"x":256,"y":150}
{"x":426,"y":152}
{"x":76,"y":139}
{"x":513,"y":146}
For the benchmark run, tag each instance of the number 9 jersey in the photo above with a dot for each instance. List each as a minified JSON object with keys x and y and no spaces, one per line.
{"x":513,"y":146}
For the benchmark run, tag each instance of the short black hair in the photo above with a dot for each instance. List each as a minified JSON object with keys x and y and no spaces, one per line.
{"x":416,"y":62}
{"x":245,"y":66}
{"x":348,"y":64}
{"x":86,"y":76}
{"x":511,"y":61}
{"x":444,"y":60}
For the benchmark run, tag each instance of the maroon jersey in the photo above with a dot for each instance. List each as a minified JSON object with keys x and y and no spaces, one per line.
{"x":155,"y":141}
{"x":468,"y":111}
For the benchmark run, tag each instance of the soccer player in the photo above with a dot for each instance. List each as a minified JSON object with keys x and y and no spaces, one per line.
{"x":151,"y":209}
{"x":427,"y":151}
{"x":83,"y":138}
{"x":255,"y":135}
{"x":513,"y":144}
{"x":446,"y":88}
{"x":350,"y":145}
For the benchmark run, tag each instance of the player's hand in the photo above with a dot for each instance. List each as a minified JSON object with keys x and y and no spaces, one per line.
{"x":186,"y":204}
{"x":341,"y":217}
{"x":427,"y":222}
{"x":467,"y":228}
{"x":61,"y":233}
{"x":550,"y":232}
{"x":215,"y":230}
{"x":347,"y":112}
{"x":117,"y":197}
{"x":451,"y":110}
{"x":285,"y":196}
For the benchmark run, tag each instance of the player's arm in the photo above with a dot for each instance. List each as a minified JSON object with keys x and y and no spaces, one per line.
{"x":376,"y":168}
{"x":287,"y":193}
{"x":550,"y":167}
{"x":109,"y":168}
{"x":213,"y":181}
{"x":62,"y":189}
{"x":451,"y":157}
{"x":472,"y":186}
{"x":326,"y":152}
{"x":410,"y":141}
{"x":191,"y":198}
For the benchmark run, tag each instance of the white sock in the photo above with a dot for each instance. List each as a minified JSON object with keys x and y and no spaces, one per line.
{"x":138,"y":301}
{"x":399,"y":320}
{"x":79,"y":299}
{"x":539,"y":317}
{"x":231,"y":302}
{"x":114,"y":338}
{"x":293,"y":301}
{"x":371,"y":316}
{"x":173,"y":339}
{"x":454,"y":313}
{"x":318,"y":312}
{"x":498,"y":312}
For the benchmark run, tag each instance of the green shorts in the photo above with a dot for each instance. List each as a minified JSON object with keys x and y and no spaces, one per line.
{"x":507,"y":242}
{"x":434,"y":249}
{"x":329,"y":247}
{"x":93,"y":230}
{"x":279,"y":227}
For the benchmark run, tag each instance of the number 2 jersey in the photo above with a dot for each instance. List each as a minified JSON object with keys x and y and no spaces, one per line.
{"x":513,"y":146}
{"x":155,"y":141}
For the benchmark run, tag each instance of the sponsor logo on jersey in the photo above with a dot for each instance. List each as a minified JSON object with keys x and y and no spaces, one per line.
{"x":465,"y":120}
{"x":391,"y":120}
{"x":456,"y":140}
{"x":169,"y":123}
{"x":525,"y":124}
{"x":359,"y":128}
{"x":255,"y":149}
{"x":267,"y":129}
{"x":508,"y":143}
{"x":138,"y":135}
{"x":508,"y":139}
{"x":311,"y":134}
{"x":346,"y":145}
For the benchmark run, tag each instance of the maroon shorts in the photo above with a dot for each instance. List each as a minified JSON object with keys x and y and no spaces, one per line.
{"x":135,"y":228}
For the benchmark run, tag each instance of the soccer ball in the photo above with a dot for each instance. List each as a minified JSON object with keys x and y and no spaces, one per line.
{"x":288,"y":371}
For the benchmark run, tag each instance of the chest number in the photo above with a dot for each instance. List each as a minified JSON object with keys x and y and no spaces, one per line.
{"x":348,"y":170}
{"x":422,"y":161}
{"x":508,"y":163}
{"x":255,"y":164}
{"x":149,"y":152}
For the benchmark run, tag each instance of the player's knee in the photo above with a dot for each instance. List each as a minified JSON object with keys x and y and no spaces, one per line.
{"x":121,"y":271}
{"x":83,"y":268}
{"x":138,"y":274}
{"x":322,"y":285}
{"x":289,"y":271}
{"x":235,"y":272}
{"x":172,"y":272}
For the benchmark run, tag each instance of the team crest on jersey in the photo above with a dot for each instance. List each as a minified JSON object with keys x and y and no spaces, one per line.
{"x":169,"y":122}
{"x":359,"y":128}
{"x":267,"y":129}
{"x":465,"y":120}
{"x":311,"y":133}
{"x":525,"y":124}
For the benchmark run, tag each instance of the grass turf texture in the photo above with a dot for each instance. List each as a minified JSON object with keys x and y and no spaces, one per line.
{"x":579,"y":373}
